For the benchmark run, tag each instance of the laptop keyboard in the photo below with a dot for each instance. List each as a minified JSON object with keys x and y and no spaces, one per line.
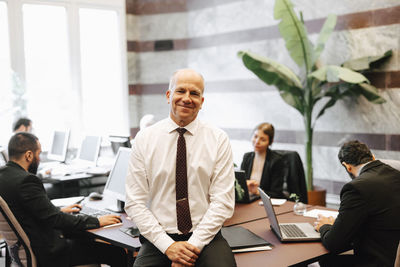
{"x":93,"y":212}
{"x":292,"y":230}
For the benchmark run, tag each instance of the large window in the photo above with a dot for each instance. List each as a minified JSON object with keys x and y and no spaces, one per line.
{"x":101,"y":74}
{"x":72,"y":64}
{"x":6,"y":105}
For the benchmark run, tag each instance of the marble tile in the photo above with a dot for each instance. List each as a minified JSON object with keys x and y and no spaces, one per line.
{"x":132,"y":27}
{"x":321,"y":9}
{"x":240,"y":15}
{"x":360,"y":116}
{"x":133,"y":68}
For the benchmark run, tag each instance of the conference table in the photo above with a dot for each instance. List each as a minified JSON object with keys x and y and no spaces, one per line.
{"x":254,"y":211}
{"x":251,"y":216}
{"x":282,"y":254}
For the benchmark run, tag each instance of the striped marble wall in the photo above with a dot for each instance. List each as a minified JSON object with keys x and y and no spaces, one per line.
{"x":165,"y":35}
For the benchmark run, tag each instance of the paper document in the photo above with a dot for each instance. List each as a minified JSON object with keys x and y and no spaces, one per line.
{"x":327,"y":213}
{"x":62,"y":202}
{"x":251,"y":249}
{"x":112,"y":225}
{"x":275,"y":201}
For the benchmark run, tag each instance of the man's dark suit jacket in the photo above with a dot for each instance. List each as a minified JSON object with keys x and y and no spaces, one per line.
{"x":272,"y":175}
{"x":41,"y":220}
{"x":369,"y":216}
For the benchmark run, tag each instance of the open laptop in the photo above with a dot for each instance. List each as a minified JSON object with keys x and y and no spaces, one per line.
{"x":288,"y":231}
{"x":242,"y":194}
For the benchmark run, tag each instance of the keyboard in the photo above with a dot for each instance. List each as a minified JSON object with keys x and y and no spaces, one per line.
{"x":292,"y":230}
{"x":93,"y":212}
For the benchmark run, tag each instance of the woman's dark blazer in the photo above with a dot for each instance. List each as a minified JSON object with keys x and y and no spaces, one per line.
{"x":272,"y":175}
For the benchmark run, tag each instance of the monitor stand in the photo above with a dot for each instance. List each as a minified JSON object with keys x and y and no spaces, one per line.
{"x":119,"y":207}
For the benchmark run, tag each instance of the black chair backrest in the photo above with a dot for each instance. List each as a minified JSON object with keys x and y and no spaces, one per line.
{"x":17,"y":241}
{"x":294,"y":177}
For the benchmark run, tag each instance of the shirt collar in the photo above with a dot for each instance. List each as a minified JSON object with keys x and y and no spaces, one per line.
{"x":191,"y":127}
{"x":14,"y":164}
{"x":362,"y":167}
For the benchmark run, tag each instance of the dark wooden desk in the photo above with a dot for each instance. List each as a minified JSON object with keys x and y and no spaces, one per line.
{"x":254,"y":211}
{"x":116,"y":237}
{"x":112,"y":234}
{"x":282,"y":254}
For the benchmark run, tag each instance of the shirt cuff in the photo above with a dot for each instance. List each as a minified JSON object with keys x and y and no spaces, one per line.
{"x":163,"y":242}
{"x":196,"y":242}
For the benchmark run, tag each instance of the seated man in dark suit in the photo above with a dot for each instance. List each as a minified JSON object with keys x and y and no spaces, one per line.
{"x":46,"y":225}
{"x":369,"y":213}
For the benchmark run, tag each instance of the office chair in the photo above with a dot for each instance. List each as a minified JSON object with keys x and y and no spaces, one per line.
{"x":19,"y":249}
{"x":294,"y":177}
{"x":397,"y":261}
{"x":3,"y":159}
{"x":119,"y":141}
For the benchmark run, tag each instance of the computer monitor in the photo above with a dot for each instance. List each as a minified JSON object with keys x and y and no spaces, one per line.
{"x":3,"y":160}
{"x":89,"y":150}
{"x":119,"y":141}
{"x":59,"y":146}
{"x":115,"y":186}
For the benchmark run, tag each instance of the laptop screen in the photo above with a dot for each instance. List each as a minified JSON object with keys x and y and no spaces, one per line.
{"x":270,"y":212}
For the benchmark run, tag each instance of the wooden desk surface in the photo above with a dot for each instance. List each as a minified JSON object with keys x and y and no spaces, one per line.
{"x":117,"y":237}
{"x":254,"y":211}
{"x":282,"y":254}
{"x":113,"y":234}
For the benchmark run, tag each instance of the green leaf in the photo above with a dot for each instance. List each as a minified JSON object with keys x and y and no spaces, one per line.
{"x":293,"y":100}
{"x":334,"y":94}
{"x":294,"y":33}
{"x":371,"y":93}
{"x":324,"y":34}
{"x":365,"y":63}
{"x":270,"y":71}
{"x":331,"y":73}
{"x":274,"y":73}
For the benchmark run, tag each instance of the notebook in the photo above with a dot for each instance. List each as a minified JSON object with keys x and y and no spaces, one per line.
{"x":243,"y":240}
{"x":242,"y":194}
{"x":288,"y":231}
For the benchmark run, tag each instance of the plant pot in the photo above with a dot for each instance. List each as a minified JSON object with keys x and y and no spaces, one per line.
{"x":317,"y":196}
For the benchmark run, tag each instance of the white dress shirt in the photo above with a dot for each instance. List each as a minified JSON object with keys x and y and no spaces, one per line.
{"x":150,"y":183}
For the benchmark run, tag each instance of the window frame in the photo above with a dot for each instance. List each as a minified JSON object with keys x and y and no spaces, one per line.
{"x":17,"y":53}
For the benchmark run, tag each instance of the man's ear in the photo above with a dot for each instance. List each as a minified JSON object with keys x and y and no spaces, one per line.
{"x":29,"y":156}
{"x":348,"y":167}
{"x":168,"y":94}
{"x":373,"y":157}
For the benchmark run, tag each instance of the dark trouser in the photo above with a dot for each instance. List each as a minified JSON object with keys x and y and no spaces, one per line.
{"x":83,"y":251}
{"x":338,"y":260}
{"x":216,"y":254}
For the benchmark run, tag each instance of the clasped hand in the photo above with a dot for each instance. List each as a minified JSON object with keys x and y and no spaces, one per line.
{"x":182,"y":253}
{"x":323,"y":220}
{"x":253,"y":185}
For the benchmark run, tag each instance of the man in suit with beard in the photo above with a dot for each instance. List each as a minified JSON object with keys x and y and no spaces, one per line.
{"x":47,"y":226}
{"x":369,"y":213}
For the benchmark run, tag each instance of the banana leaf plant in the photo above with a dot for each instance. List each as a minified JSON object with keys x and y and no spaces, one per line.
{"x":328,"y":83}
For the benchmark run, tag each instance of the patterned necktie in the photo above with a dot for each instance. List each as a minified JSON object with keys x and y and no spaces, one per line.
{"x":184,"y":220}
